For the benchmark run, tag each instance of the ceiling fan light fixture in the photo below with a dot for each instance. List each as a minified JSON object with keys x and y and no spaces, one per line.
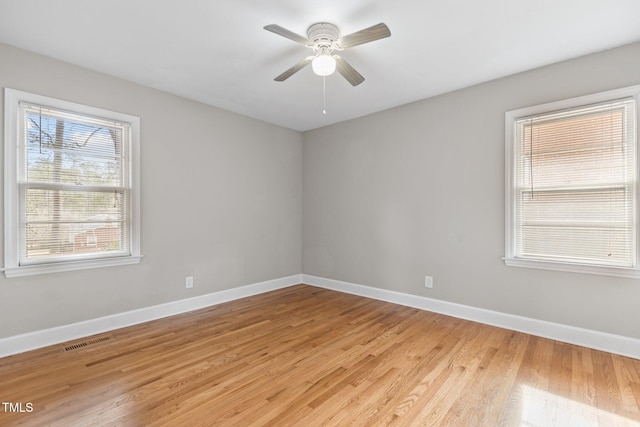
{"x":323,"y":64}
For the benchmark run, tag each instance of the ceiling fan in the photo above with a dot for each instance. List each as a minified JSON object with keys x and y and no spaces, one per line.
{"x":324,"y":38}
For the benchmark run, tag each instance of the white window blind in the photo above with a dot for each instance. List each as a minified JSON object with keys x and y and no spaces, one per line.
{"x":71,"y":197}
{"x":73,"y":185}
{"x":573,"y":189}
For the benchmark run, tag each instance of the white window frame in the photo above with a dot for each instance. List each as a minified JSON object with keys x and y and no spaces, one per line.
{"x":510,"y":258}
{"x":12,"y":216}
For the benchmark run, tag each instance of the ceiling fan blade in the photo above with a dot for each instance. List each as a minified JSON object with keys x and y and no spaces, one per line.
{"x":277,"y":29}
{"x":348,"y":72}
{"x":375,"y":32}
{"x":291,"y":71}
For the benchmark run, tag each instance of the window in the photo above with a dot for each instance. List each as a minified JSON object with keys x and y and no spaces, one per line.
{"x":71,"y":186}
{"x":571,"y":183}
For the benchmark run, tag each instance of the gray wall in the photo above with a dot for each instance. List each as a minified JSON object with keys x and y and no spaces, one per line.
{"x":220,"y":200}
{"x":419,"y":190}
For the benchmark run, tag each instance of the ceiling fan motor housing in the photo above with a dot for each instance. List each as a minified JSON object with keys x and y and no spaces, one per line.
{"x":324,"y":37}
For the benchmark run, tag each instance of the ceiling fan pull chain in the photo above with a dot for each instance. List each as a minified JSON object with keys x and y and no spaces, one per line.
{"x":324,"y":95}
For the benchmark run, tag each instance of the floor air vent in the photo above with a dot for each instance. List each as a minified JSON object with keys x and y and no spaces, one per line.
{"x":86,"y":343}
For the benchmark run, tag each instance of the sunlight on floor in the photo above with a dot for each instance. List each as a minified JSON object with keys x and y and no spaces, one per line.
{"x":543,"y":409}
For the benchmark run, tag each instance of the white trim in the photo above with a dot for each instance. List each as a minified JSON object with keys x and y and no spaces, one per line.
{"x":33,"y":340}
{"x":11,"y":99}
{"x":633,"y":273}
{"x":617,"y":344}
{"x":29,"y":270}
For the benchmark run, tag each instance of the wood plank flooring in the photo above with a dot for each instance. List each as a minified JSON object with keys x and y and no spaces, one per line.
{"x":305,"y":356}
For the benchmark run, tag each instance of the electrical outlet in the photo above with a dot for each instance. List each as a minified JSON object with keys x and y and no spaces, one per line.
{"x":428,"y":282}
{"x":189,"y":282}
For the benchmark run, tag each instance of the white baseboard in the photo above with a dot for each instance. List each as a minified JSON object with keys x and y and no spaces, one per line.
{"x":617,"y":344}
{"x":32,"y":340}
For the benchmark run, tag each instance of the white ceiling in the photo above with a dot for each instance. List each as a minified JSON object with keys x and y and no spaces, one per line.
{"x":216,"y":51}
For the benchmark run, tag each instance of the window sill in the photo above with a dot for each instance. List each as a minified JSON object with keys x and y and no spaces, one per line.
{"x":30,"y":270}
{"x":574,"y":268}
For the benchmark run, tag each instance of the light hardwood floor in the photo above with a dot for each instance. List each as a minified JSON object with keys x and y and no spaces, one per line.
{"x":304,"y":356}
